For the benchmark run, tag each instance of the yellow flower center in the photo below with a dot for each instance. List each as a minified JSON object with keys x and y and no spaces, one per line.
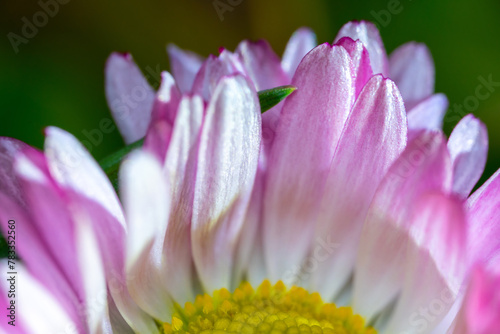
{"x":269,"y":309}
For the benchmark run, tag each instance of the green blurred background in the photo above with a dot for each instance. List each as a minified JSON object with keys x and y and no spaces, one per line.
{"x":57,"y":78}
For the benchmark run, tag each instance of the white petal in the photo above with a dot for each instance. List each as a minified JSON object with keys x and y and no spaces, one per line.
{"x":468,"y":146}
{"x":145,"y":197}
{"x":94,"y":281}
{"x":74,"y":168}
{"x":227,"y":164}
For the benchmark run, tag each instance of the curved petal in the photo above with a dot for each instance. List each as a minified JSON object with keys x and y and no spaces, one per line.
{"x":227,"y":164}
{"x":311,"y":123}
{"x":94,"y":277}
{"x":302,"y":41}
{"x":481,"y":306}
{"x":484,"y":223}
{"x":369,"y":35}
{"x":468,"y":146}
{"x":50,"y":214}
{"x":144,"y":193}
{"x":36,"y":255}
{"x":360,"y":61}
{"x":39,"y":311}
{"x":74,"y":168}
{"x":374,"y":136}
{"x":423,"y":166}
{"x":435,"y":265}
{"x":184,"y":65}
{"x":412,"y":68}
{"x":262,"y":65}
{"x":129,"y":96}
{"x":180,"y":170}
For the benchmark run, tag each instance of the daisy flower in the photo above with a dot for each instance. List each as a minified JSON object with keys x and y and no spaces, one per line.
{"x":338,"y":213}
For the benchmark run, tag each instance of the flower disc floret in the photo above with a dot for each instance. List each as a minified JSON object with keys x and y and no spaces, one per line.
{"x":268,"y":309}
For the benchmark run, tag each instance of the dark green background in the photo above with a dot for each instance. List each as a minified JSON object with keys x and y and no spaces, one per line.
{"x":57,"y":78}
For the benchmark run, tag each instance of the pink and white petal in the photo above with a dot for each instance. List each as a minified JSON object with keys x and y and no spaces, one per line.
{"x":180,"y":171}
{"x":481,"y":306}
{"x":484,"y":223}
{"x":428,"y":114}
{"x":423,"y":166}
{"x":39,"y":311}
{"x":129,"y":95}
{"x":360,"y":60}
{"x":311,"y":123}
{"x":412,"y":68}
{"x":374,"y":136}
{"x":166,"y":100}
{"x":146,"y":201}
{"x":213,"y":69}
{"x":302,"y":41}
{"x":50,"y":216}
{"x":91,"y":266}
{"x":468,"y":146}
{"x":227,"y":164}
{"x":184,"y":66}
{"x":36,"y":256}
{"x":9,"y":184}
{"x":435,"y":267}
{"x":262,"y":65}
{"x":72,"y":166}
{"x":368,"y":34}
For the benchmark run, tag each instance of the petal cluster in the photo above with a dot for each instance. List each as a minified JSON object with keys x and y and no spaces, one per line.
{"x":348,"y":188}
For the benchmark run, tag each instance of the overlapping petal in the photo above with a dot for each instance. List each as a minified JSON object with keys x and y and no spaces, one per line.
{"x":373,"y":137}
{"x":424,"y":166}
{"x":311,"y":123}
{"x":368,"y":34}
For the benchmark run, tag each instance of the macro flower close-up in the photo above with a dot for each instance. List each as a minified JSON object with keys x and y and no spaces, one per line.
{"x":316,"y":192}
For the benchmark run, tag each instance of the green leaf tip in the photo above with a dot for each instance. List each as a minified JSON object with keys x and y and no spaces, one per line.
{"x":270,"y":97}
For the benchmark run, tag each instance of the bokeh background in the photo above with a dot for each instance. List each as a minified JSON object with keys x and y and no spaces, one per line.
{"x":56,"y":77}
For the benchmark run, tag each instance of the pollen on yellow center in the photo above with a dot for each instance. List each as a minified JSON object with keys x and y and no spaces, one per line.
{"x":269,"y":309}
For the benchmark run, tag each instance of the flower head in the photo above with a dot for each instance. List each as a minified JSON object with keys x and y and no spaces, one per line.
{"x":342,"y":209}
